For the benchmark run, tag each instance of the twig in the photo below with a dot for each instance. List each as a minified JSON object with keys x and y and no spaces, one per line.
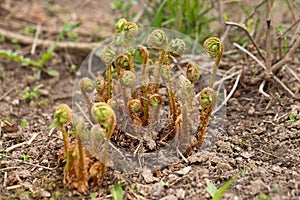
{"x":261,"y":89}
{"x":51,"y":131}
{"x":13,"y":187}
{"x":268,"y":49}
{"x":284,"y":86}
{"x":230,"y":93}
{"x":9,"y":168}
{"x":36,"y":38}
{"x":35,"y":165}
{"x":140,"y":14}
{"x":5,"y":179}
{"x":255,"y":10}
{"x":264,"y":67}
{"x":292,"y":26}
{"x":182,"y":156}
{"x":293,"y":73}
{"x":291,"y":9}
{"x":242,"y":26}
{"x":280,"y":38}
{"x":22,"y":143}
{"x":15,"y":146}
{"x":82,"y":112}
{"x":6,"y":93}
{"x":287,"y":58}
{"x":71,"y":46}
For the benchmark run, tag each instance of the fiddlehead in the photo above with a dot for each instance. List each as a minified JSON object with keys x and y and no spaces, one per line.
{"x":207,"y":101}
{"x":135,"y":110}
{"x":131,"y":31}
{"x":192,"y":72}
{"x":214,"y":47}
{"x":157,"y":39}
{"x":176,"y":47}
{"x":62,"y":116}
{"x":86,"y":86}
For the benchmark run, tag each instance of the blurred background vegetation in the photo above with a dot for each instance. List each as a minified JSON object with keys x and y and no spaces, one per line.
{"x":205,"y":18}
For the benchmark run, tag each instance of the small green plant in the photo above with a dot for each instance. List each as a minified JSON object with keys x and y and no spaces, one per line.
{"x":62,"y":116}
{"x":217,"y":194}
{"x":117,"y":191}
{"x":2,"y":155}
{"x":124,"y":7}
{"x":39,"y":64}
{"x":27,"y":30}
{"x":293,"y":118}
{"x":25,"y":157}
{"x":93,"y":196}
{"x":2,"y":75}
{"x":30,"y":95}
{"x":2,"y":39}
{"x":23,"y":123}
{"x":73,"y":69}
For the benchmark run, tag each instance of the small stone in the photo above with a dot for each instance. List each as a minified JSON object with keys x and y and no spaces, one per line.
{"x":15,"y":102}
{"x":184,"y":171}
{"x":224,"y":166}
{"x":257,"y":186}
{"x":148,"y":176}
{"x":44,"y":193}
{"x":246,"y":155}
{"x":251,"y":111}
{"x":180,"y":193}
{"x":169,"y":197}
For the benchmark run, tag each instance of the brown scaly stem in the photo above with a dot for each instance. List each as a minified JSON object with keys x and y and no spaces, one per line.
{"x":155,"y":101}
{"x":135,"y":107}
{"x":62,"y":116}
{"x":105,"y":116}
{"x":207,"y":101}
{"x":185,"y":93}
{"x":66,"y":145}
{"x":109,"y":81}
{"x":82,"y":172}
{"x":145,"y":102}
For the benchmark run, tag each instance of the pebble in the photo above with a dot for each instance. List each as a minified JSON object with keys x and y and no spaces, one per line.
{"x":44,"y":193}
{"x":184,"y":171}
{"x":257,"y":186}
{"x":180,"y":193}
{"x":169,"y":197}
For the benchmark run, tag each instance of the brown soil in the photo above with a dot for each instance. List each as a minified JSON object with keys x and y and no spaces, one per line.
{"x":258,"y":135}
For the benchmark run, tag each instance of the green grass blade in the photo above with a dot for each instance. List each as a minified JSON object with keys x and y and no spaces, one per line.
{"x":117,"y":191}
{"x":223,"y":189}
{"x":158,"y":17}
{"x":18,"y":58}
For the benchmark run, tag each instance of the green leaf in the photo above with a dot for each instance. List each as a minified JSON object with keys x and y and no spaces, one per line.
{"x":211,"y":189}
{"x":71,"y":26}
{"x":117,"y":191}
{"x":52,"y":72}
{"x":23,"y":123}
{"x":158,"y":17}
{"x":46,"y":57}
{"x":218,"y":195}
{"x":54,"y":124}
{"x":93,"y":196}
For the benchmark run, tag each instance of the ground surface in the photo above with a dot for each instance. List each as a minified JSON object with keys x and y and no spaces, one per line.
{"x":257,"y":134}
